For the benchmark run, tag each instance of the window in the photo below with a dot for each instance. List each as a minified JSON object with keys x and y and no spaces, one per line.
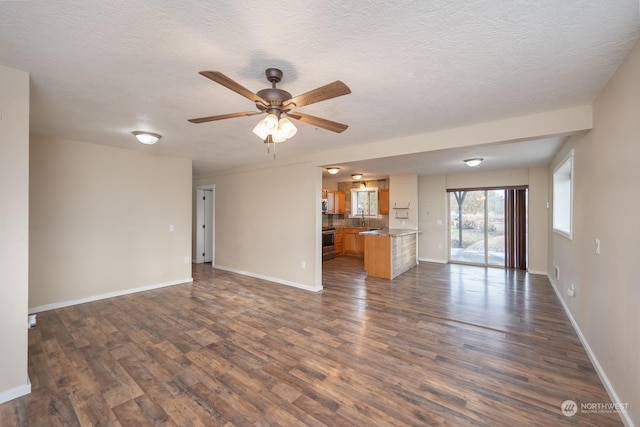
{"x":563,"y":197}
{"x":364,"y":201}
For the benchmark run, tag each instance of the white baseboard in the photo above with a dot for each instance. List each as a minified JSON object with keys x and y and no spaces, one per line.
{"x":15,"y":392}
{"x":544,"y":273}
{"x":437,"y":261}
{"x":92,"y":298}
{"x":601,"y":373}
{"x":270,"y":279}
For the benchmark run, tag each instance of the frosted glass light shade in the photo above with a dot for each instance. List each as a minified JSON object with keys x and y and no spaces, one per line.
{"x":278,"y":136}
{"x":146,"y":138}
{"x":473,"y":162}
{"x":287,"y":128}
{"x":271,"y":122}
{"x":261,"y":130}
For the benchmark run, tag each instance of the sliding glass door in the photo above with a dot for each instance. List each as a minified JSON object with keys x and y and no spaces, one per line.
{"x":478,"y":225}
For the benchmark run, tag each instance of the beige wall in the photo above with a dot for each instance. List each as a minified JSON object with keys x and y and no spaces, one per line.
{"x":268,"y":221}
{"x":99,"y":222}
{"x":432,"y":220}
{"x":606,"y":207}
{"x":538,"y":217}
{"x":403,"y":192}
{"x":433,"y":241}
{"x":14,"y":229}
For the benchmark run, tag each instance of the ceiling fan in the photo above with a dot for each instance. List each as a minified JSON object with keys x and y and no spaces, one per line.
{"x":277,"y":103}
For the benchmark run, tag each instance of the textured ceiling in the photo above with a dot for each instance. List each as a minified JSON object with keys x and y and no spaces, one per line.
{"x":101,"y":69}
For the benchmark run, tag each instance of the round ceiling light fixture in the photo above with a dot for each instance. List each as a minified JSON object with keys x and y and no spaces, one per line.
{"x":333,"y":170}
{"x":147,"y":138}
{"x":356,"y":176}
{"x":472,"y":163}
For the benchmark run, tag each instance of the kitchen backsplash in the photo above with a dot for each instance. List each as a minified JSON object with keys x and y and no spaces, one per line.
{"x":339,"y":221}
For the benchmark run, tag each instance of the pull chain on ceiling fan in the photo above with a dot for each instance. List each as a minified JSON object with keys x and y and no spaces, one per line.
{"x":275,"y":103}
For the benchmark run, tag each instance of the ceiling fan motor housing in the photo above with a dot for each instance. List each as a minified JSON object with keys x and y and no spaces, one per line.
{"x":275,"y":96}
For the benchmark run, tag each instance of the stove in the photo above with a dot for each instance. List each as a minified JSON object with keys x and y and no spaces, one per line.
{"x":328,"y":243}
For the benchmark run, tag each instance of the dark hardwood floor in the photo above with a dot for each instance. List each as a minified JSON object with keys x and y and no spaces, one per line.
{"x":439,"y":345}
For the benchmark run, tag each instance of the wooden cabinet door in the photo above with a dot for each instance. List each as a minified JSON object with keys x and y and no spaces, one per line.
{"x":338,"y":202}
{"x":383,"y":201}
{"x":339,"y":242}
{"x":359,"y":244}
{"x":350,"y":242}
{"x":353,"y":242}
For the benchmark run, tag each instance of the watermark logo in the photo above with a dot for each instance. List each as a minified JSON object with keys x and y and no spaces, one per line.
{"x":569,"y":408}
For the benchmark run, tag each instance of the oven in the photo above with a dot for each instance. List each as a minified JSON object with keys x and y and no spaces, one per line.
{"x":328,"y":243}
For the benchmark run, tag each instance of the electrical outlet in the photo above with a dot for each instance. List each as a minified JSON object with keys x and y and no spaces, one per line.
{"x":172,"y":228}
{"x":187,"y":259}
{"x":557,"y":272}
{"x":597,"y":246}
{"x":571,"y":291}
{"x":303,"y":265}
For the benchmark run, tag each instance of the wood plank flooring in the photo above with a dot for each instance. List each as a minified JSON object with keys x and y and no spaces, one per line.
{"x":438,"y":345}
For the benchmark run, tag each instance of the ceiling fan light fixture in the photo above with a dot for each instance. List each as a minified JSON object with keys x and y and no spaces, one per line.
{"x":278,"y":136}
{"x":147,"y":138}
{"x":356,"y":176}
{"x":271,"y":122}
{"x":472,"y":163}
{"x":261,"y":130}
{"x":287,"y":128}
{"x":333,"y":170}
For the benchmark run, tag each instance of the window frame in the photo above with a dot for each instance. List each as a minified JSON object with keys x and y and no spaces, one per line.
{"x":562,"y":193}
{"x":354,"y":202}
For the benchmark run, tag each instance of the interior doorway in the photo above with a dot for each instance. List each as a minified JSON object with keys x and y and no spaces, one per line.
{"x":205,"y":229}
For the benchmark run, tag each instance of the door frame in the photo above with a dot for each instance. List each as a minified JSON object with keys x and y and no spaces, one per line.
{"x":200,"y":220}
{"x":485,"y":228}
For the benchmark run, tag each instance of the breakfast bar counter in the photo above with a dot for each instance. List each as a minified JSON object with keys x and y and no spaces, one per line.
{"x":389,"y":252}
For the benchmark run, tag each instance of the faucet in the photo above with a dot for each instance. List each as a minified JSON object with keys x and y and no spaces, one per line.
{"x":362,"y":212}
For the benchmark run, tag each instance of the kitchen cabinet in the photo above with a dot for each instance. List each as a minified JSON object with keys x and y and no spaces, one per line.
{"x":389,"y":253}
{"x":353,"y":242}
{"x":335,"y":202}
{"x":339,"y":242}
{"x":383,"y":201}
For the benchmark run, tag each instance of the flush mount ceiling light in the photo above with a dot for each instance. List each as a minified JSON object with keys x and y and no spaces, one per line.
{"x":278,"y":103}
{"x":356,"y":176}
{"x":472,"y":163}
{"x":333,"y":170}
{"x":146,"y":138}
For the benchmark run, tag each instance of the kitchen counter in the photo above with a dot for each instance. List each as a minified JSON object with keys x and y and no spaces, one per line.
{"x":393,"y":232}
{"x":389,"y":252}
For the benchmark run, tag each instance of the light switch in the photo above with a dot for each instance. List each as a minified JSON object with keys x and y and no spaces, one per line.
{"x":172,"y":227}
{"x":439,"y":222}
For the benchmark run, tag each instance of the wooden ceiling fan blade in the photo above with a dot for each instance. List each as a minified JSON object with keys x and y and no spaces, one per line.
{"x":225,"y":81}
{"x":332,"y":90}
{"x":224,"y":116}
{"x":319,"y":122}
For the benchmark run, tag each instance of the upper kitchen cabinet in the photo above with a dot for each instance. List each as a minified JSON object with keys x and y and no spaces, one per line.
{"x":383,"y":201}
{"x":335,"y":202}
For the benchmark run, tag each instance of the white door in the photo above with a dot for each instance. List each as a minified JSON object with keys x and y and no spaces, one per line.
{"x":205,"y":225}
{"x":208,"y":225}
